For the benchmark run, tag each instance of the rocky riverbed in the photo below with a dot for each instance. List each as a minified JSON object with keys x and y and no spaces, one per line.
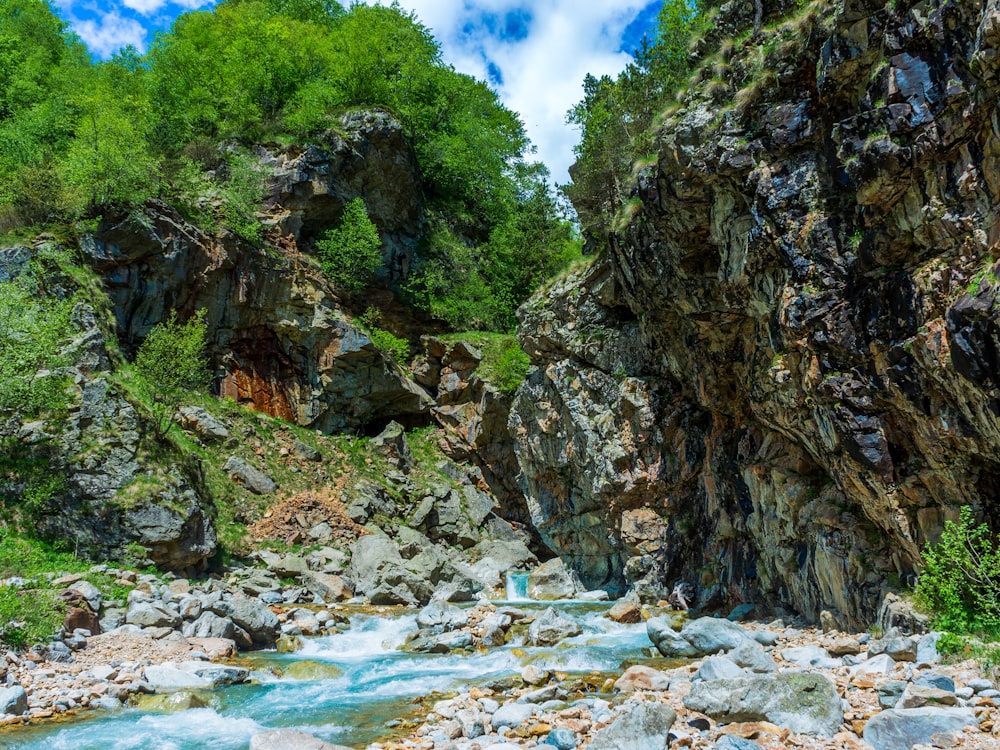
{"x":490,"y":674}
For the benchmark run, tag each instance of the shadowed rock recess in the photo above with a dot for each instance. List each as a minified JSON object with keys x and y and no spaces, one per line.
{"x":781,"y":376}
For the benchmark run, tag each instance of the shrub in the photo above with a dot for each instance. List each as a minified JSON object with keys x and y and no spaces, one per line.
{"x":397,"y":349}
{"x":511,"y":366}
{"x":960,"y":581}
{"x":28,"y":617}
{"x":351,"y":252}
{"x":242,"y":195}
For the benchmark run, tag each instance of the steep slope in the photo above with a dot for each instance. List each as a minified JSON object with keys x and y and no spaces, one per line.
{"x":781,"y":377}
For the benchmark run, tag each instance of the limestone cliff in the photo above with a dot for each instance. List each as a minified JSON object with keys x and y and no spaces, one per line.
{"x":281,"y":341}
{"x":781,"y":376}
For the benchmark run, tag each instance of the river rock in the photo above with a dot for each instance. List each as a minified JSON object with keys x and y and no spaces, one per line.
{"x":512,"y":715}
{"x":90,"y":593}
{"x":918,"y":696}
{"x":643,"y":726}
{"x":378,"y":572}
{"x":718,"y":668}
{"x":210,"y":625}
{"x":216,"y":674}
{"x":168,"y":678}
{"x":640,"y":677}
{"x":751,"y":655}
{"x":551,"y":581}
{"x":551,"y":628}
{"x":252,"y":616}
{"x":152,"y":615}
{"x":307,"y":669}
{"x":328,"y":587}
{"x":13,"y":700}
{"x":441,"y":616}
{"x":804,"y":702}
{"x":288,"y":739}
{"x":561,"y":739}
{"x":668,"y":641}
{"x":440,"y":644}
{"x":810,"y":656}
{"x":901,"y":729}
{"x":625,"y":611}
{"x":899,"y":648}
{"x":709,"y":635}
{"x":182,"y":700}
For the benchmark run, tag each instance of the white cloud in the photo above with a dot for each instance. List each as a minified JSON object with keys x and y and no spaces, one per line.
{"x":148,"y":7}
{"x":109,"y":33}
{"x":543,"y":72}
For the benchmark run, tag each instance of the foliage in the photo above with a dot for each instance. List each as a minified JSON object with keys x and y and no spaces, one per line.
{"x":78,"y":136}
{"x":170,"y":362}
{"x":616,"y":114}
{"x":242,"y":194}
{"x":28,"y":617}
{"x":351,"y":252}
{"x":511,"y":367}
{"x":394,"y":347}
{"x":33,"y":328}
{"x":960,"y":580}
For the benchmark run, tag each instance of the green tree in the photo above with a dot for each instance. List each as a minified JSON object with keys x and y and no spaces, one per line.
{"x":170,"y":363}
{"x":351,"y":252}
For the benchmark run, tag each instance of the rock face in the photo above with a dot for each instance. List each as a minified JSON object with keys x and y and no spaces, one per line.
{"x":280,"y":341}
{"x":786,"y":359}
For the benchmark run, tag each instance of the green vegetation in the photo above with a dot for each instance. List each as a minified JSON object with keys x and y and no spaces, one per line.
{"x":960,"y":580}
{"x":169,"y":364}
{"x":351,"y":252}
{"x":32,"y":614}
{"x":616,"y":114}
{"x":33,"y":326}
{"x":79,"y":138}
{"x":504,"y":363}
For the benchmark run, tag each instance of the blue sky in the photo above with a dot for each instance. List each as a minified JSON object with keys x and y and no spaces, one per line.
{"x":535,"y":54}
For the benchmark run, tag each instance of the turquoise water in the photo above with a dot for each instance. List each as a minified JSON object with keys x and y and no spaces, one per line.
{"x":378,"y":684}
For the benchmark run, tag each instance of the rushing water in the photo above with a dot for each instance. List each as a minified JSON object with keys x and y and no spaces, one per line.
{"x":377,"y":684}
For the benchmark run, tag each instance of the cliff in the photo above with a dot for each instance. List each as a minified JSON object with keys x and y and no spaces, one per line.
{"x":781,"y":376}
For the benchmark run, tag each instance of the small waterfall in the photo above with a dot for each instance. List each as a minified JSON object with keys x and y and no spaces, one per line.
{"x":517,"y":587}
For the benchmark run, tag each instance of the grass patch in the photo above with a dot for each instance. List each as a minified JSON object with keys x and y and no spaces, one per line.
{"x":504,"y":365}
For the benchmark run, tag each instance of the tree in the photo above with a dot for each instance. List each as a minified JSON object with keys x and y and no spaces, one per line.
{"x":351,"y":252}
{"x":170,"y":363}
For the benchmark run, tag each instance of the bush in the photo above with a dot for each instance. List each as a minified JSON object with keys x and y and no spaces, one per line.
{"x":397,"y":349}
{"x":351,"y":252}
{"x":29,"y":617}
{"x":242,"y":196}
{"x":960,"y":581}
{"x":510,"y":368}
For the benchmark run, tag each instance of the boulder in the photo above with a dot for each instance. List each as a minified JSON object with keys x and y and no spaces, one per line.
{"x":718,"y":668}
{"x":210,"y":625}
{"x":640,"y":677}
{"x":378,"y":572}
{"x":306,"y":669}
{"x":13,"y":700}
{"x":709,"y":635}
{"x":804,"y":702}
{"x":441,"y":616}
{"x":167,"y":678}
{"x":645,"y":726}
{"x":551,"y":581}
{"x":89,"y":592}
{"x":150,"y":615}
{"x":328,"y":587}
{"x":918,"y":696}
{"x":250,"y":477}
{"x":512,"y":715}
{"x":392,"y":445}
{"x":288,"y":739}
{"x":752,"y":656}
{"x":252,"y":616}
{"x":441,"y":643}
{"x":551,"y":628}
{"x":902,"y":728}
{"x":625,"y":611}
{"x":810,"y":656}
{"x":668,"y":641}
{"x":198,"y":420}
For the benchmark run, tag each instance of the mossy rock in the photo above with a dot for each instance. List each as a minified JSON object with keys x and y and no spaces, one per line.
{"x":311,"y":670}
{"x":183,"y":700}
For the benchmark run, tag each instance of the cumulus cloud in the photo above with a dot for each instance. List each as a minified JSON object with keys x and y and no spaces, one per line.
{"x":109,"y":32}
{"x":535,"y":55}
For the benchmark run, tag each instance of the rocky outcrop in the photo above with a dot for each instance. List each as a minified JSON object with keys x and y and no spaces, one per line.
{"x":788,"y":352}
{"x":106,"y":494}
{"x":280,"y":341}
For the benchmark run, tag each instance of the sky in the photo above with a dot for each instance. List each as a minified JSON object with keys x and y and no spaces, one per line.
{"x":534,"y":53}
